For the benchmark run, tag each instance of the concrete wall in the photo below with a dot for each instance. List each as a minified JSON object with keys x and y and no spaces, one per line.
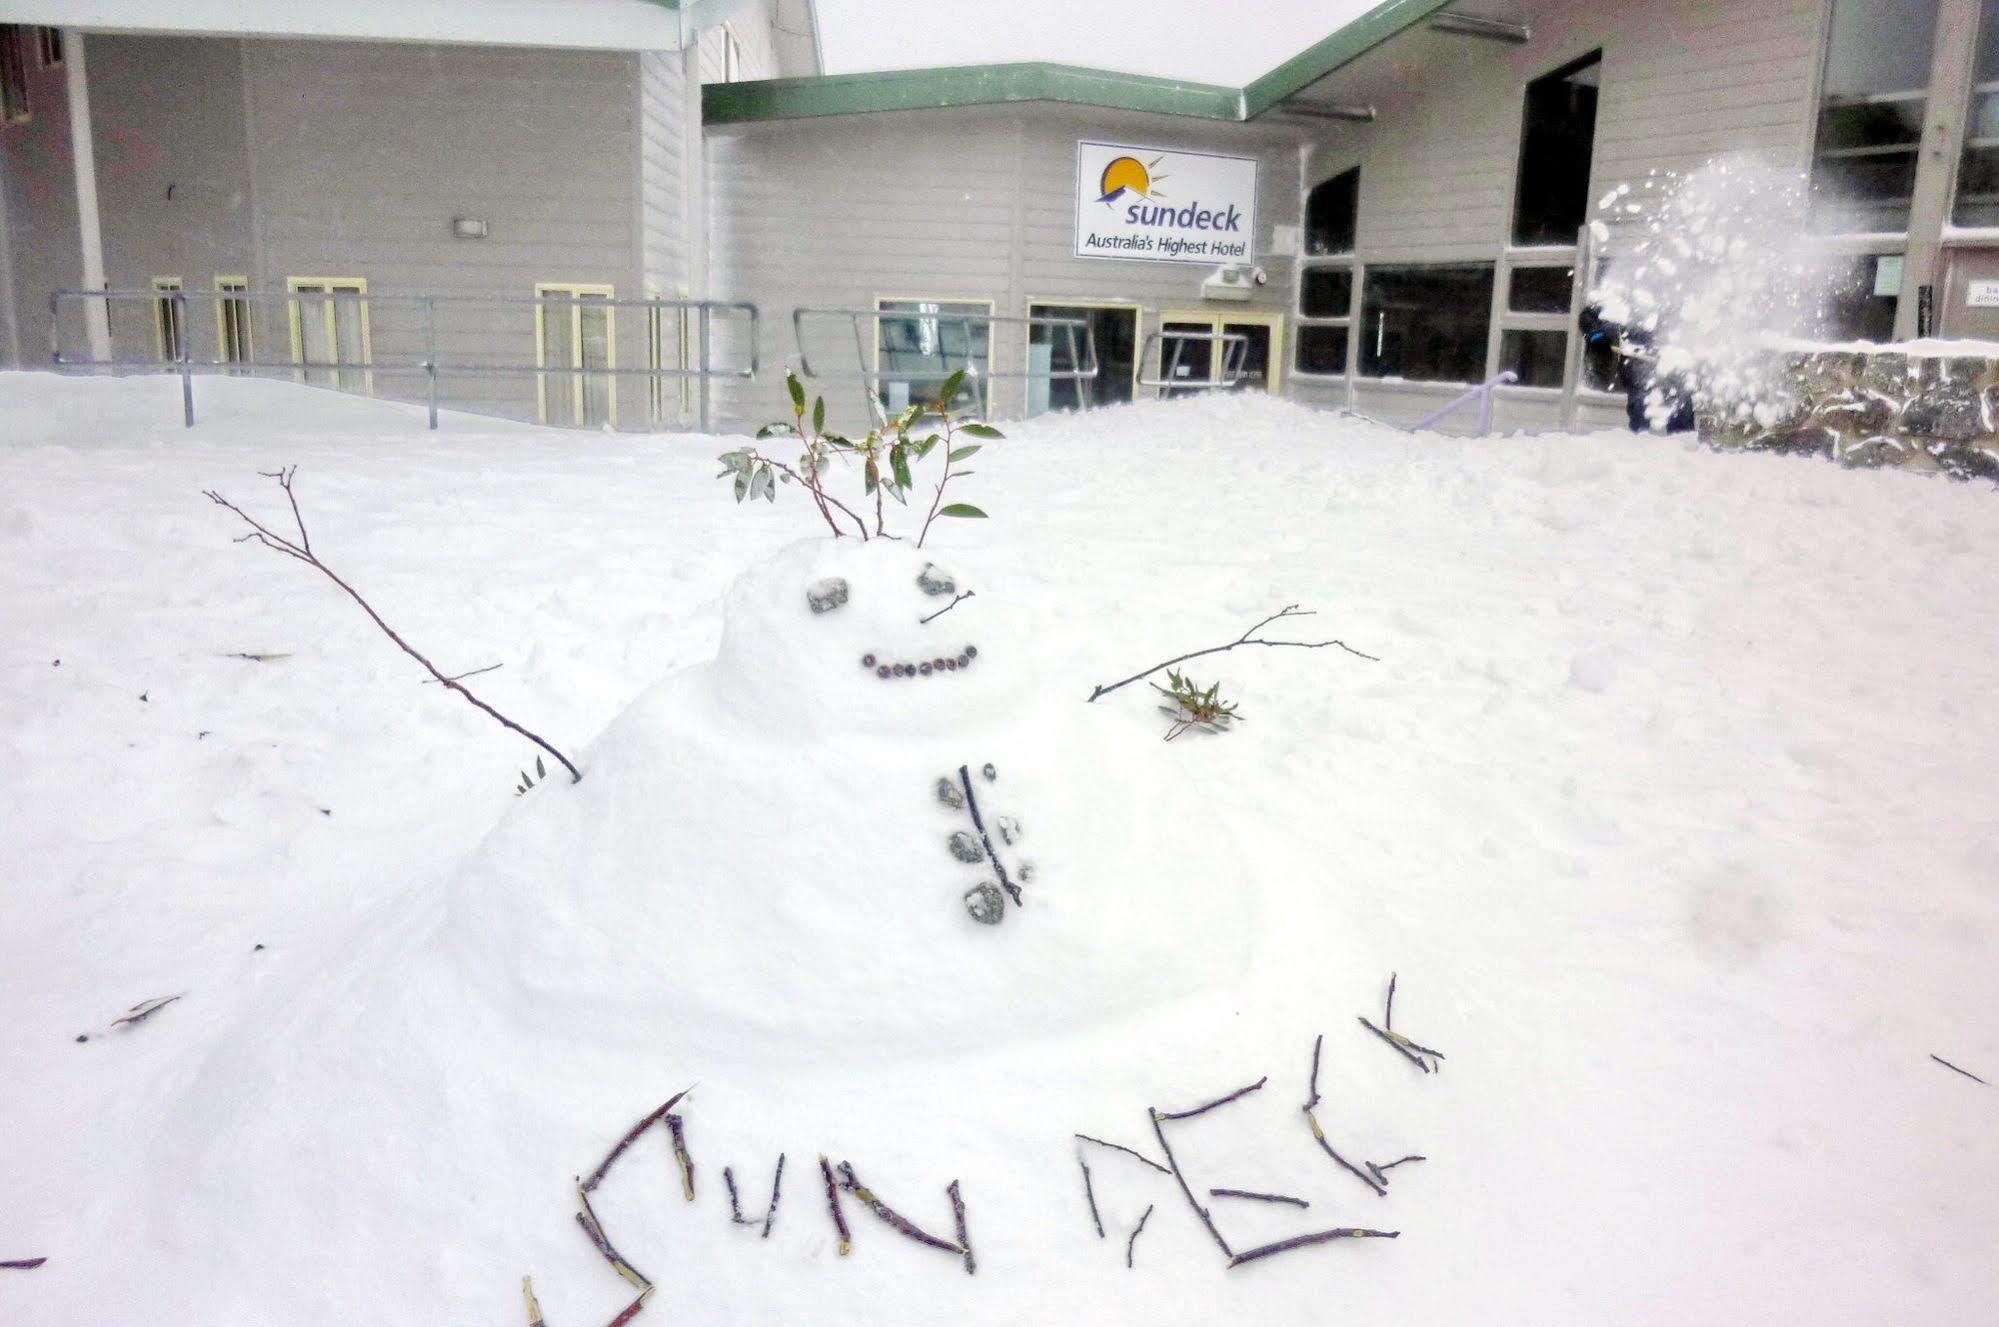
{"x":959,"y":204}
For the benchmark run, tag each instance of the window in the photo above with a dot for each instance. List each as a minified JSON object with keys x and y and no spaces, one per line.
{"x":49,"y":43}
{"x":169,"y":320}
{"x":1332,"y":213}
{"x":575,"y":329}
{"x":1557,"y":138}
{"x":1534,"y":325}
{"x":13,"y":73}
{"x":330,"y":335}
{"x":232,"y":319}
{"x":1977,"y":202}
{"x":1202,"y":347}
{"x":732,"y":55}
{"x":1427,"y":323}
{"x":1540,"y":289}
{"x":1325,"y":288}
{"x":1536,"y":356}
{"x":1051,"y":349}
{"x":1861,"y":303}
{"x":934,"y":341}
{"x":1875,"y":93}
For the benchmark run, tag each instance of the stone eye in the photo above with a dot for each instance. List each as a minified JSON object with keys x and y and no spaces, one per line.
{"x":827,"y":595}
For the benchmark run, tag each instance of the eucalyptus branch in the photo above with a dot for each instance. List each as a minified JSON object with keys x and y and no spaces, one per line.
{"x":302,"y":552}
{"x":1247,"y":638}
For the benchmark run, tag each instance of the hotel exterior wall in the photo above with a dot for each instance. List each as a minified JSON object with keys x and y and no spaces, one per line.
{"x":972,"y":203}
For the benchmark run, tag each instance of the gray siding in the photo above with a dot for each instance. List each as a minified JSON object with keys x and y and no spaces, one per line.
{"x":38,"y":192}
{"x":965,"y":204}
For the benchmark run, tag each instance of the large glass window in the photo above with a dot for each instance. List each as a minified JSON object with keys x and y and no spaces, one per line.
{"x":1860,"y":305}
{"x":1427,"y":323}
{"x":1052,"y":348}
{"x":1332,"y":214}
{"x":1877,"y":75}
{"x":1325,"y":287}
{"x":933,"y":339}
{"x":1977,"y":202}
{"x":1557,"y":139}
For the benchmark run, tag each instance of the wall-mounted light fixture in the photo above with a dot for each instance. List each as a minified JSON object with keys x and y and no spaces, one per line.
{"x":468,"y":228}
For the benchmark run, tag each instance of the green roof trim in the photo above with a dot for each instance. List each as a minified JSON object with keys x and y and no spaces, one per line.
{"x":999,"y":84}
{"x":971,"y":85}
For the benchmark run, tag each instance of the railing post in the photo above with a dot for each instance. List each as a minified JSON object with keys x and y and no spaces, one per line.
{"x":430,"y":355}
{"x":1485,"y":411}
{"x":181,"y":353}
{"x":701,"y":363}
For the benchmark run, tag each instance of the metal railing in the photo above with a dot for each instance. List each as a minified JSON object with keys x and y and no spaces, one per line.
{"x":172,"y":333}
{"x":1482,"y":394}
{"x":1078,"y":337}
{"x":1229,"y":372}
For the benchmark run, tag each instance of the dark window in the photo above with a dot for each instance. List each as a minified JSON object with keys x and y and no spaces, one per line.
{"x":1861,"y":305}
{"x":1558,"y":132}
{"x":1875,"y":91}
{"x":1426,"y":323}
{"x":1978,"y":173}
{"x":1115,"y":332}
{"x":51,"y":47}
{"x":1327,"y":292}
{"x":1540,"y":289}
{"x":1322,"y":349}
{"x":1535,"y":355}
{"x":1332,"y":213}
{"x":13,"y":72}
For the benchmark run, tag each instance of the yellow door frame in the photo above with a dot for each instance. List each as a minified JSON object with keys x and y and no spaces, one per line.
{"x":226,"y":288}
{"x":1213,"y":319}
{"x":164,"y":310}
{"x":575,"y":291}
{"x":295,"y":312}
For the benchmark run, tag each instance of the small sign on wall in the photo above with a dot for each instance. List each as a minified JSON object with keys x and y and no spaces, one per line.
{"x":1981,"y":294}
{"x":1158,"y":205}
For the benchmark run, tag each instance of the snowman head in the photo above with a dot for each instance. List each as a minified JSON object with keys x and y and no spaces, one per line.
{"x":876,"y":636}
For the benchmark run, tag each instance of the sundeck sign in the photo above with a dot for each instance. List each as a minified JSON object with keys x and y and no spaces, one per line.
{"x":1157,"y":205}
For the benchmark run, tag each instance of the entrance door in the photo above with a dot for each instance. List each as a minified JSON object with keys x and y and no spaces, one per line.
{"x":574,"y":330}
{"x":1113,"y":328}
{"x":1205,"y":359}
{"x":1969,"y":303}
{"x":329,"y":324}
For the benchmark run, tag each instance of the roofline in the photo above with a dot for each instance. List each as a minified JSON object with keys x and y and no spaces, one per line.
{"x":1000,"y":84}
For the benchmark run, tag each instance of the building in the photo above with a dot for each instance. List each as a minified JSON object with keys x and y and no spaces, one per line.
{"x":1412,"y":195}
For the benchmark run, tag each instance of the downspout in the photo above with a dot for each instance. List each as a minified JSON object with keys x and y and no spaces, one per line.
{"x":83,"y":160}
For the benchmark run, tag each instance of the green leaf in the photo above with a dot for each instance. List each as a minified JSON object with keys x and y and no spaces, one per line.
{"x":960,"y":453}
{"x":952,"y":385}
{"x":540,"y":771}
{"x":868,"y":478}
{"x":774,"y":430}
{"x":818,"y":414}
{"x":961,"y":509}
{"x":898,"y":460}
{"x":742,"y":486}
{"x":797,"y":390}
{"x":980,"y":431}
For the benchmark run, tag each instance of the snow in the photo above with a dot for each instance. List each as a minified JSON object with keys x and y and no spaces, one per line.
{"x":1668,"y":801}
{"x":1928,"y":347}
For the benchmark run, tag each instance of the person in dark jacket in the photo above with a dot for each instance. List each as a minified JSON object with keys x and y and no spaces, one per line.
{"x":1638,"y":373}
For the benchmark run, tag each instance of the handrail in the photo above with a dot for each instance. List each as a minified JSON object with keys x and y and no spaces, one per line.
{"x":1235,"y":350}
{"x":186,"y":365}
{"x":1483,"y":394}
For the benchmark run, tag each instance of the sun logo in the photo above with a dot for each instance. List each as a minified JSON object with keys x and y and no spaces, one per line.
{"x":1128,"y":173}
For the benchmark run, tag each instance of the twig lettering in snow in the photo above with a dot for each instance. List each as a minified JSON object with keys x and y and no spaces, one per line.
{"x":1247,"y":638}
{"x":676,"y":1130}
{"x":631,"y":1136}
{"x":1400,"y":1043}
{"x":1218,"y":1101}
{"x":776,"y":1188}
{"x":1312,"y":1118}
{"x":1090,"y":1192}
{"x":1381,"y":1172}
{"x":22,"y":1264}
{"x":1131,"y":1244}
{"x":533,"y":1308}
{"x":1388,"y":1008}
{"x":1305,"y":1241}
{"x":1258,"y":1197}
{"x":903,"y":1225}
{"x":1966,"y":1072}
{"x":587,"y":1218}
{"x":1120,"y":1147}
{"x":302,"y":551}
{"x":833,"y":1205}
{"x":963,"y":1231}
{"x":978,"y":823}
{"x":735,"y":1207}
{"x":1159,"y":1129}
{"x":631,"y":1309}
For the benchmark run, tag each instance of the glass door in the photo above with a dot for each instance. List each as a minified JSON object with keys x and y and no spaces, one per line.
{"x":1114,"y":329}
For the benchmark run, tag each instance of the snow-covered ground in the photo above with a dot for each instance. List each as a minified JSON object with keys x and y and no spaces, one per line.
{"x":1670,"y":801}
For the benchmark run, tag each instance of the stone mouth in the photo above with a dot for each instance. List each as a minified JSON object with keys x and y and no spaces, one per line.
{"x":886,"y":667}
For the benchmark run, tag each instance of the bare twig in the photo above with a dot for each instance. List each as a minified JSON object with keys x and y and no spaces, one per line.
{"x":587,"y":1218}
{"x":922,"y":621}
{"x":431,"y":681}
{"x":1399,"y":1161}
{"x":1090,"y":1192}
{"x":833,"y":1205}
{"x":963,"y":1231}
{"x":1130,"y":1152}
{"x":676,"y":1129}
{"x":22,"y":1264}
{"x":1258,"y":1197}
{"x":1312,"y":1118}
{"x":1236,"y":1095}
{"x":978,"y":823}
{"x":1132,"y":1244}
{"x":302,"y":551}
{"x":1159,"y":1129}
{"x":1388,"y":1008}
{"x":631,"y":1136}
{"x":889,"y":1216}
{"x":1966,"y":1072}
{"x":257,"y":658}
{"x":144,"y":1010}
{"x":1400,"y":1043}
{"x":1247,"y":638}
{"x":1305,"y":1241}
{"x":533,"y":1308}
{"x":631,"y":1309}
{"x":735,"y":1206}
{"x":776,"y":1188}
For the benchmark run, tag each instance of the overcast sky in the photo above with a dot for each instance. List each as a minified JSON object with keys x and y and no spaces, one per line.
{"x":1203,"y":40}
